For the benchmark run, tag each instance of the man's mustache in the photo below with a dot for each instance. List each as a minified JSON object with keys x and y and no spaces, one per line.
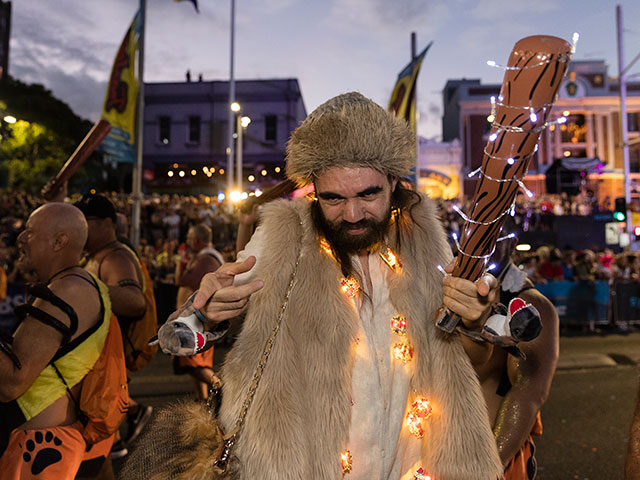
{"x":354,"y":225}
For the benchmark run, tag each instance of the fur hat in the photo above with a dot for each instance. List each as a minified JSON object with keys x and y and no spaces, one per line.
{"x":350,"y":130}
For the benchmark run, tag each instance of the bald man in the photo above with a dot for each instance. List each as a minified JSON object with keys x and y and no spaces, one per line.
{"x":63,"y":327}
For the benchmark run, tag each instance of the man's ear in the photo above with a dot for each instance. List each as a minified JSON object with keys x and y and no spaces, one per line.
{"x":394,"y":182}
{"x":60,"y":241}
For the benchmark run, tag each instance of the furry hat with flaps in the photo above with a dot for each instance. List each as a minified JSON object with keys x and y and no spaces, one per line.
{"x":350,"y":130}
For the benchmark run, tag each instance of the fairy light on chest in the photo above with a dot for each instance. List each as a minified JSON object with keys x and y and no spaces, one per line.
{"x":417,"y":417}
{"x":346,"y":461}
{"x":391,"y":259}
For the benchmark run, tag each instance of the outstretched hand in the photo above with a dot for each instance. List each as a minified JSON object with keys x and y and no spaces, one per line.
{"x":218,"y":299}
{"x":470,"y":300}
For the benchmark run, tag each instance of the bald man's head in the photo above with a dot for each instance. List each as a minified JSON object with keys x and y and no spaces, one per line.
{"x":62,"y":218}
{"x":54,"y":233}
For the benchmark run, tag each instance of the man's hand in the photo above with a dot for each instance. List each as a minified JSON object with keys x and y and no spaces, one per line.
{"x":218,"y":299}
{"x":470,"y":300}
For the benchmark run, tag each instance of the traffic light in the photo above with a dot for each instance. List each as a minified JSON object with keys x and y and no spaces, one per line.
{"x":620,"y":210}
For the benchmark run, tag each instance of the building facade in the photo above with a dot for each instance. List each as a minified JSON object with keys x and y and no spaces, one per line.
{"x":186,"y":132}
{"x":590,"y":101}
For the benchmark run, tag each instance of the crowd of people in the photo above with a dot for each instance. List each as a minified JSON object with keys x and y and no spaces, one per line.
{"x":166,"y":219}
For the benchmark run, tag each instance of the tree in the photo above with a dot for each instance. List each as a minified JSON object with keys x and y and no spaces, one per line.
{"x":46,"y":133}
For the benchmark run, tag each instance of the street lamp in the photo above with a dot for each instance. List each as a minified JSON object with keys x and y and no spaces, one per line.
{"x":242,"y":123}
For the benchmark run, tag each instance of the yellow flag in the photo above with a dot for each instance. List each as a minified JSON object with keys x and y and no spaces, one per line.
{"x":402,"y":101}
{"x":121,"y":99}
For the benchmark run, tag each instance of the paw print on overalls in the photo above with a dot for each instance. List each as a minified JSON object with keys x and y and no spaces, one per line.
{"x":42,"y":452}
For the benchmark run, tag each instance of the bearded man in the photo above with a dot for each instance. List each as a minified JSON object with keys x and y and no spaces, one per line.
{"x":359,"y":380}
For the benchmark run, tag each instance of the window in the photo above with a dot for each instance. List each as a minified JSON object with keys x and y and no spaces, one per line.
{"x":271,"y":128}
{"x":194,"y":129}
{"x":634,"y":160}
{"x":164,"y":130}
{"x":632,"y":122}
{"x":575,"y":130}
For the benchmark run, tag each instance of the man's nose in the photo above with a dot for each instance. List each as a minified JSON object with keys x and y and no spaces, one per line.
{"x":353,"y":211}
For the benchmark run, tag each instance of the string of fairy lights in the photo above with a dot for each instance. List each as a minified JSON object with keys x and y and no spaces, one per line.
{"x":180,"y":171}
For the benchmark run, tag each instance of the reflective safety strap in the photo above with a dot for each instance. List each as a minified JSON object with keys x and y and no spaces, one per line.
{"x":43,"y":292}
{"x":7,"y":348}
{"x":26,"y":309}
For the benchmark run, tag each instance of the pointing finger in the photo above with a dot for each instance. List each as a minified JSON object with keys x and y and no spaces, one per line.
{"x":236,"y":268}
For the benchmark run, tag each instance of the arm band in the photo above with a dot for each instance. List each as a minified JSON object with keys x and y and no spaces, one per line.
{"x":128,"y":282}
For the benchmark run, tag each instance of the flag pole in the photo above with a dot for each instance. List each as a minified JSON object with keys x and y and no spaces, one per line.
{"x":137,"y":170}
{"x":232,"y":98}
{"x":415,"y":106}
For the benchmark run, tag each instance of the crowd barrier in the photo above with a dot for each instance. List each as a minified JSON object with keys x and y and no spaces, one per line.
{"x":581,"y":304}
{"x":15,"y":296}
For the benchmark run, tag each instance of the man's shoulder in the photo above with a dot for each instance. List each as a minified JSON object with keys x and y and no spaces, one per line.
{"x":121,"y":253}
{"x":82,"y":295}
{"x":209,"y":255}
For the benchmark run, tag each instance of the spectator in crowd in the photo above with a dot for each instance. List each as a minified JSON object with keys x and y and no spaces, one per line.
{"x":620,"y":269}
{"x":551,"y":268}
{"x":568,"y":262}
{"x":530,"y":267}
{"x":171,"y":222}
{"x":584,"y":270}
{"x":603,"y":264}
{"x":201,"y":259}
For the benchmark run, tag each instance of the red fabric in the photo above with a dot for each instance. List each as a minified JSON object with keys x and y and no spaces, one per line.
{"x":551,"y":272}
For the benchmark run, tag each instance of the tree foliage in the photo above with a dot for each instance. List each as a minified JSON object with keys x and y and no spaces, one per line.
{"x":46,"y":133}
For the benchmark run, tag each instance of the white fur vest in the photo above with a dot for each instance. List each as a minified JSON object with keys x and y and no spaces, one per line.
{"x":300,"y":417}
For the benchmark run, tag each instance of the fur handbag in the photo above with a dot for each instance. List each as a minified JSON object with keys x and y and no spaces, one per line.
{"x":185,"y":441}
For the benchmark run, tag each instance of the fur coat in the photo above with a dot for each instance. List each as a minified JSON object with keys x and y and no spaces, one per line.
{"x":300,"y":417}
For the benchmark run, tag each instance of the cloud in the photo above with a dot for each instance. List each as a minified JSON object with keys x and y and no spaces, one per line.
{"x":497,"y":9}
{"x":80,"y":91}
{"x":388,"y":18}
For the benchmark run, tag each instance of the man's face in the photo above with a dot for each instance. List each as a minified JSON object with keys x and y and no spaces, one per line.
{"x":355,"y":206}
{"x":35,"y":244}
{"x":192,"y":241}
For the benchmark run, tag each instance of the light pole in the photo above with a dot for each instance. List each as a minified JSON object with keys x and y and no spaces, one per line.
{"x":242,"y":123}
{"x":232,"y":100}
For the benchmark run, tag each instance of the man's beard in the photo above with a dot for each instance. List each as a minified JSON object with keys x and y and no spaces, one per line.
{"x":25,"y":266}
{"x":345,"y":243}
